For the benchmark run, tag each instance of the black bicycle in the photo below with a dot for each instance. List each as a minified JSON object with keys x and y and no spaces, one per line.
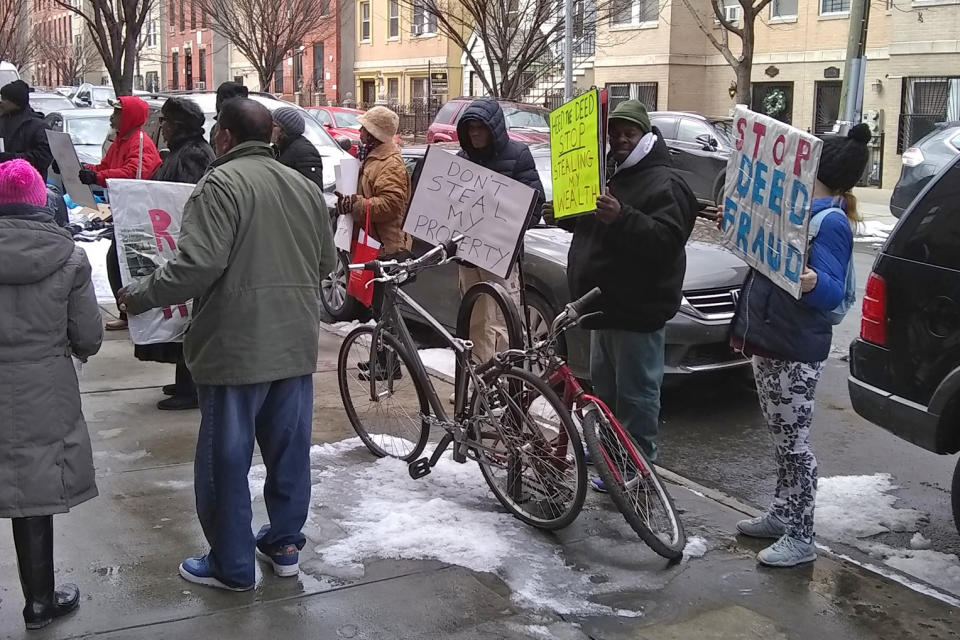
{"x":505,"y":418}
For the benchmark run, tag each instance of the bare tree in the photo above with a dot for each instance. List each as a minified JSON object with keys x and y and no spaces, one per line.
{"x":70,"y":60}
{"x":15,"y":45}
{"x":267,"y":31}
{"x":742,"y":62}
{"x":114,"y":26}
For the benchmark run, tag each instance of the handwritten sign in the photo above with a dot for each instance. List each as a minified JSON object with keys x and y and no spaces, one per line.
{"x":61,"y":146}
{"x":767,"y":197}
{"x":576,"y":155}
{"x":146,"y":223}
{"x":454,"y":195}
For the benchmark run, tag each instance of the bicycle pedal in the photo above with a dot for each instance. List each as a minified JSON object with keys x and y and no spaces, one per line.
{"x":460,"y":453}
{"x":419,"y":468}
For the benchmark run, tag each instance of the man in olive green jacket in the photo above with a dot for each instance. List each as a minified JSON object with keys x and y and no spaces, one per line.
{"x":254,"y":245}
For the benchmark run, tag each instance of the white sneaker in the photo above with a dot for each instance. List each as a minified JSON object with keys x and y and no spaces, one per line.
{"x":766,"y":526}
{"x":788,"y":552}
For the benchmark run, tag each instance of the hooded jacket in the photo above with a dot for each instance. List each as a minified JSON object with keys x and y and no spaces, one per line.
{"x":638,"y":260}
{"x":123,"y":156}
{"x":505,"y":156}
{"x":48,"y":312}
{"x":299,"y":153}
{"x":188,"y":160}
{"x":385,"y":186}
{"x":25,"y":136}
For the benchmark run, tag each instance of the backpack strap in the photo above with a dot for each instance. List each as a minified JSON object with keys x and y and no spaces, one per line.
{"x":819,"y":217}
{"x":140,"y":157}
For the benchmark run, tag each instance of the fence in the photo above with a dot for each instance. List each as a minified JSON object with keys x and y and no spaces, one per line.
{"x":415,"y":118}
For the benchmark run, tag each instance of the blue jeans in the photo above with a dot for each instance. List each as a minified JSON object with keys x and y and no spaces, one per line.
{"x":626,"y":369}
{"x":279,"y":415}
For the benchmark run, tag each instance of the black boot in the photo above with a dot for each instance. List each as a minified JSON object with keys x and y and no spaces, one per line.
{"x":33,"y":539}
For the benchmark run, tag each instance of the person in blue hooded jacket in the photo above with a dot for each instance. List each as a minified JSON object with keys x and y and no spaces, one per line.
{"x":789,"y":341}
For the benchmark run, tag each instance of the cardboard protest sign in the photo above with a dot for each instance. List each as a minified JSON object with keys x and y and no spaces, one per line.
{"x":454,"y":195}
{"x":146,"y":223}
{"x":576,"y":155}
{"x":767,"y":197}
{"x":61,"y":145}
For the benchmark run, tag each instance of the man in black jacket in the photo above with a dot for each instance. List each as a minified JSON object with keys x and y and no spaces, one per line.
{"x":633,"y":249}
{"x":482,"y":131}
{"x":296,"y":151}
{"x":24,"y":135}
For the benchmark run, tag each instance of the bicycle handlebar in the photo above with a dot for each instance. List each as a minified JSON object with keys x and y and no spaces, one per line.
{"x":577,"y":306}
{"x":446,"y":249}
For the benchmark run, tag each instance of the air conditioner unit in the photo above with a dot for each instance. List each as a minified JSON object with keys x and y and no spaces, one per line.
{"x":417,"y":29}
{"x":732,"y":13}
{"x":200,"y":85}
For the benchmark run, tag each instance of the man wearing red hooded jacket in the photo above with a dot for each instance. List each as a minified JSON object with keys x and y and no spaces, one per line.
{"x":132,"y":155}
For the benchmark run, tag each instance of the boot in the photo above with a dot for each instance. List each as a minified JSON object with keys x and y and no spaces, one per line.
{"x":33,"y":539}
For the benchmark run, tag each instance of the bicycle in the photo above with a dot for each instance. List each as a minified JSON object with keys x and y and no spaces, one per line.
{"x":629,"y":478}
{"x":535,"y":467}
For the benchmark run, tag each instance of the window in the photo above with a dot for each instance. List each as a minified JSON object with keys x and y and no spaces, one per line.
{"x":393,"y":90}
{"x":394,"y":19}
{"x":183,"y":16}
{"x":298,"y":72}
{"x":931,"y":233}
{"x":278,"y":79}
{"x":447,"y":112}
{"x":193,"y":14}
{"x":188,"y":70}
{"x":322,"y":116}
{"x":625,"y":13}
{"x":153,"y":81}
{"x":203,"y":18}
{"x":690,"y":129}
{"x":828,"y":7}
{"x":318,"y":62}
{"x":172,"y":12}
{"x":926,"y":101}
{"x":667,"y":125}
{"x":418,"y":90}
{"x":202,"y":66}
{"x":365,"y":22}
{"x":175,"y":70}
{"x":783,"y":9}
{"x":424,"y":22}
{"x":645,"y":92}
{"x":153,"y":38}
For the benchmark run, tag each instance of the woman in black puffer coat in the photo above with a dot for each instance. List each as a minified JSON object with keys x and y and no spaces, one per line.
{"x":181,"y":124}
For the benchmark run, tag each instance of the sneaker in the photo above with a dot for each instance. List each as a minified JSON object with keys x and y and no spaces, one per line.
{"x":198,"y":571}
{"x":285,"y":559}
{"x":766,"y":526}
{"x":788,"y":552}
{"x":599,"y":487}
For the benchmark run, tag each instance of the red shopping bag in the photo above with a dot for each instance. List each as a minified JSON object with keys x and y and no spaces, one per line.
{"x":360,"y":283}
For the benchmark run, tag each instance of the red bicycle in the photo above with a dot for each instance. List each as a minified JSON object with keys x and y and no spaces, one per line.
{"x":629,"y":478}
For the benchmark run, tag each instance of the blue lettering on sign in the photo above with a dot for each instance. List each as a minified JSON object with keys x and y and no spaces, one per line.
{"x":757,"y":247}
{"x":759,"y":183}
{"x":746,"y":169}
{"x":743,"y":230}
{"x":773,"y":257}
{"x":729,"y":213}
{"x":776,"y":192}
{"x":794,"y":263}
{"x":798,"y":210}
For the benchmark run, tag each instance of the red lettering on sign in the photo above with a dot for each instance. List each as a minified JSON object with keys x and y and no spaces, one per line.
{"x":759,"y":129}
{"x":161,"y":221}
{"x":182,"y":308}
{"x":803,"y":153}
{"x":741,"y":129}
{"x":780,"y":142}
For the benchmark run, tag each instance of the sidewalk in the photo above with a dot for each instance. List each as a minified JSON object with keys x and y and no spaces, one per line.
{"x":389,"y":557}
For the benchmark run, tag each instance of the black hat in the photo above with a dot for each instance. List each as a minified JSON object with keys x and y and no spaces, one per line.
{"x":184,"y":111}
{"x":844,"y":158}
{"x":229,"y":90}
{"x":17,"y":92}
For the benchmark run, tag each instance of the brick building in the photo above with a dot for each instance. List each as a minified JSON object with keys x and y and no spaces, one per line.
{"x":195,"y":58}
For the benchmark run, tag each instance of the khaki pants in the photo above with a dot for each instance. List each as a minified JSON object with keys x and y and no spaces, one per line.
{"x":488,"y":329}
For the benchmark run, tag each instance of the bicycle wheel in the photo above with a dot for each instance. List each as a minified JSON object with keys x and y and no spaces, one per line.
{"x":633,"y":484}
{"x":530,"y":453}
{"x":388,"y":412}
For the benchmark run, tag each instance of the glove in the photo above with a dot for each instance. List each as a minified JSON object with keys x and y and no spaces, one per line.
{"x":55,"y":167}
{"x":88,"y":177}
{"x":8,"y":156}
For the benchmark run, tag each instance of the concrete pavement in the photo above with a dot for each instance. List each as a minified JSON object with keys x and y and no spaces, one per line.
{"x":592,"y":580}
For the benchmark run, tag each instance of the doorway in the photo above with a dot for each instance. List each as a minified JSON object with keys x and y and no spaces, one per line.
{"x":368,"y":93}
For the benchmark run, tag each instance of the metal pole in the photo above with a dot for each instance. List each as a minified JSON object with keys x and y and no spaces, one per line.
{"x":851,"y":93}
{"x":568,"y":50}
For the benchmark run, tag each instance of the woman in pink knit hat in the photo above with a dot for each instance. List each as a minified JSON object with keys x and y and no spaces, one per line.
{"x":48,"y":312}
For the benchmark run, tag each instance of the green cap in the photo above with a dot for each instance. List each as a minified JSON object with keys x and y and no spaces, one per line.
{"x":632,"y":111}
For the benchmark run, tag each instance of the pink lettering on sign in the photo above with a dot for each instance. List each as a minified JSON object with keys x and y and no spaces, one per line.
{"x":182,"y":308}
{"x":803,"y":153}
{"x":161,"y":222}
{"x":741,"y":127}
{"x":781,"y":144}
{"x":759,"y":129}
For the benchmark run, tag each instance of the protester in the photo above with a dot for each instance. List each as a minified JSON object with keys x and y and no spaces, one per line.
{"x":181,"y":125}
{"x":252,"y":252}
{"x":226,"y":91}
{"x":632,"y":248}
{"x":296,"y":151}
{"x":482,"y":131}
{"x":48,"y":311}
{"x":132,"y":155}
{"x":789,"y":340}
{"x":21,"y":128}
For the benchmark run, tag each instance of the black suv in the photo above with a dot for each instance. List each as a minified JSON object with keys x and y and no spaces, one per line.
{"x":905,"y":367}
{"x":700,"y":147}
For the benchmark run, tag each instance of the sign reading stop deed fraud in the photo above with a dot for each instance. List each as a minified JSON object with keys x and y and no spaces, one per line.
{"x":454,"y":195}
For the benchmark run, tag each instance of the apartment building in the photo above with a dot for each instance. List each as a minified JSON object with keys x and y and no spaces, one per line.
{"x":400,"y":56}
{"x":54,"y":46}
{"x":196,"y":58}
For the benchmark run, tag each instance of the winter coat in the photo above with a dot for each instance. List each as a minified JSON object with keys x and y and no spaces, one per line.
{"x":639,"y":260}
{"x":57,"y":206}
{"x":48,"y":312}
{"x":772,"y":323}
{"x":187,"y":161}
{"x":385,"y":184}
{"x":254,"y":244}
{"x":299,"y":153}
{"x":25,"y":136}
{"x":123,"y":156}
{"x":505,"y":156}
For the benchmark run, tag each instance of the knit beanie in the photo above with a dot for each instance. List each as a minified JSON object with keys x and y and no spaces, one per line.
{"x":290,"y":120}
{"x":634,"y":112}
{"x":382,"y":123}
{"x":17,"y":92}
{"x":844,"y":158}
{"x":20,"y":182}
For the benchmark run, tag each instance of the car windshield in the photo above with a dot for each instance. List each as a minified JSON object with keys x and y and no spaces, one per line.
{"x":46,"y":105}
{"x":542,"y":163}
{"x":346,"y":119}
{"x":90,"y":130}
{"x":7,"y":76}
{"x":102,"y":95}
{"x":724,"y":129}
{"x":526,"y":119}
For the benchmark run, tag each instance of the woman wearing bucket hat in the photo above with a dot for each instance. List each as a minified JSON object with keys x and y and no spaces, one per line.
{"x":789,"y":341}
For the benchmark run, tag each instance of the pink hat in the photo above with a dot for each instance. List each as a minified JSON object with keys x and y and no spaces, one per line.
{"x":20,"y":182}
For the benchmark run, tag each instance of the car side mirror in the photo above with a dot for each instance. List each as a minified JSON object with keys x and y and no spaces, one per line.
{"x":709,"y":142}
{"x":344,"y":143}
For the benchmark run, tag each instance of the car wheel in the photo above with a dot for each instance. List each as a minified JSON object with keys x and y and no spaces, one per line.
{"x":540,"y":315}
{"x":955,"y":495}
{"x":333,"y":293}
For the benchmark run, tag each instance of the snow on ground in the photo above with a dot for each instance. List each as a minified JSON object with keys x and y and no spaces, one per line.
{"x":872,"y":231}
{"x":854,"y":509}
{"x":441,"y":361}
{"x":696,"y":548}
{"x":97,"y":256}
{"x":344,"y":328}
{"x":449,"y":516}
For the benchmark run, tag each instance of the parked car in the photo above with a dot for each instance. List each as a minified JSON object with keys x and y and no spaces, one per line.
{"x":905,"y":366}
{"x":696,"y":337}
{"x":66,"y":92}
{"x":525,"y":122}
{"x":88,"y":128}
{"x":700,"y":147}
{"x":89,"y":95}
{"x":44,"y":103}
{"x":8,"y":73}
{"x":922,"y":162}
{"x":340,"y":121}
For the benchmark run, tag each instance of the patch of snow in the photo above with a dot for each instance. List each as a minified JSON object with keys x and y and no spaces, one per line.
{"x":123,"y":457}
{"x":919,"y":542}
{"x":174,"y":484}
{"x":97,"y":256}
{"x":106,"y":434}
{"x":939,"y":569}
{"x":696,"y":548}
{"x":873,"y":229}
{"x":344,"y":328}
{"x":441,"y":361}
